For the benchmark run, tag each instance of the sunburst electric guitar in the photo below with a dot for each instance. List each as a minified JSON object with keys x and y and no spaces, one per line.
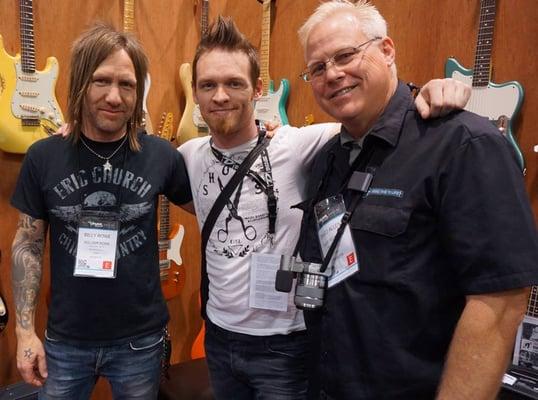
{"x":192,"y":124}
{"x":272,"y":105}
{"x":498,"y":102}
{"x":128,"y":26}
{"x":170,"y":235}
{"x":29,"y":110}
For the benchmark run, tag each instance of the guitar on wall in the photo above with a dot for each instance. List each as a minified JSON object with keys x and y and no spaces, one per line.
{"x":498,"y":102}
{"x":272,"y":105}
{"x":128,"y":26}
{"x":29,"y":110}
{"x":170,"y":236}
{"x":192,"y":124}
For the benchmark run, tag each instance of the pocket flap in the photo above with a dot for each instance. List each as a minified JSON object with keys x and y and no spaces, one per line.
{"x":383,"y":220}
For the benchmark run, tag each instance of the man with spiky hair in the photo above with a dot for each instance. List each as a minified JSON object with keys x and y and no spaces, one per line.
{"x":96,"y":193}
{"x":255,"y":342}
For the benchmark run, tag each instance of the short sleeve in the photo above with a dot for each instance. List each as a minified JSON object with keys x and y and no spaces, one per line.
{"x":486,"y":219}
{"x":178,"y":188}
{"x":28,"y":196}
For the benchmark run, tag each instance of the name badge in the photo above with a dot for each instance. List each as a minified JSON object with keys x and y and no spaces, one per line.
{"x":329,"y":213}
{"x":97,"y":245}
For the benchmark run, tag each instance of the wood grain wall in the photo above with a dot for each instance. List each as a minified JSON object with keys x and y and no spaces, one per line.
{"x":426,"y":33}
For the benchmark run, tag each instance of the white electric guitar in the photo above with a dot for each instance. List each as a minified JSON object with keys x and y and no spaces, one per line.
{"x":192,"y":124}
{"x":128,"y":26}
{"x":28,"y":108}
{"x":498,"y":102}
{"x":170,"y":235}
{"x":272,"y":105}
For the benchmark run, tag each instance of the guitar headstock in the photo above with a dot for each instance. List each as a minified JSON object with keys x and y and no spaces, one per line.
{"x":165,"y":126}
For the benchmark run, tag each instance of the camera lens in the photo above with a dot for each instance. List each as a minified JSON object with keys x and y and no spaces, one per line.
{"x":310,"y":291}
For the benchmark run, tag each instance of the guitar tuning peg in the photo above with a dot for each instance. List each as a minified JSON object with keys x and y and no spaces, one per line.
{"x":536,"y":148}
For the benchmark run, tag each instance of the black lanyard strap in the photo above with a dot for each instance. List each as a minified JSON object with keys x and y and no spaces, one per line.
{"x":266,"y":184}
{"x":358,"y":182}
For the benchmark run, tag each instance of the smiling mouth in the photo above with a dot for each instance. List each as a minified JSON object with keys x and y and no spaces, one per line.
{"x":222,"y":111}
{"x":343,"y":91}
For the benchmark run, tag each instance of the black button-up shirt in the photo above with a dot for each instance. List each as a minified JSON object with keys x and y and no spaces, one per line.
{"x":446,"y":216}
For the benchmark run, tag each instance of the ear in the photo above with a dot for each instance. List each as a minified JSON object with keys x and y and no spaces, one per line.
{"x":258,"y":89}
{"x":388,"y":49}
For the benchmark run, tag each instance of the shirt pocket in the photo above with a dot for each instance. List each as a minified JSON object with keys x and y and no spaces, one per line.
{"x":381,"y":238}
{"x":386,"y":221}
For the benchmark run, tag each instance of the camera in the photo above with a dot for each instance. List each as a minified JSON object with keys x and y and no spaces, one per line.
{"x":311,"y":283}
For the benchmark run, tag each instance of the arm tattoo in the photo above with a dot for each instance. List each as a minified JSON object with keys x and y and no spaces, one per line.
{"x":27,"y":257}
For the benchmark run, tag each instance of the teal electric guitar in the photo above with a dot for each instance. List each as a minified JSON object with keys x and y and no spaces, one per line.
{"x":498,"y":102}
{"x":272,"y":105}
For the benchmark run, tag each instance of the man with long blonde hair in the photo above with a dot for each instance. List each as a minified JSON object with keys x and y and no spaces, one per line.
{"x":96,"y":193}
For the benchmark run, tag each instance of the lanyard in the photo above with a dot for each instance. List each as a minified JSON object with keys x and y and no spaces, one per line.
{"x":265,"y":183}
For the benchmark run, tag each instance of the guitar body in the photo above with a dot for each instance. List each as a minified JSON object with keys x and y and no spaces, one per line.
{"x":493,"y":101}
{"x":147,"y":120}
{"x":26,"y":96}
{"x":192,"y":124}
{"x":171,"y":271}
{"x":272,"y":106}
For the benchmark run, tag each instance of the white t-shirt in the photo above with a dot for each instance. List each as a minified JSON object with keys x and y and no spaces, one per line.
{"x":233,"y":240}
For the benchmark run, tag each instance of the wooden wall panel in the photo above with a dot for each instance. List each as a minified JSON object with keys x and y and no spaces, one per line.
{"x":425,"y":32}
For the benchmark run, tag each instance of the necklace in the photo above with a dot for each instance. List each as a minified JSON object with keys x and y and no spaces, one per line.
{"x":107,"y":167}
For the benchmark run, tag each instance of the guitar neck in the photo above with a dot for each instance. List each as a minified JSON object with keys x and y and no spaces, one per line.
{"x":128,"y":16}
{"x":164,"y":218}
{"x":484,"y":45}
{"x":204,"y":18}
{"x":532,"y":307}
{"x":27,"y":36}
{"x":264,"y":45}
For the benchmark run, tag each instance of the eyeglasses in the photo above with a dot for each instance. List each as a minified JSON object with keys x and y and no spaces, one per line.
{"x":341,"y":58}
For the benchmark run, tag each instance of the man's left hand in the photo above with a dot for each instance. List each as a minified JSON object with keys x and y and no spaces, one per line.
{"x":439,"y":97}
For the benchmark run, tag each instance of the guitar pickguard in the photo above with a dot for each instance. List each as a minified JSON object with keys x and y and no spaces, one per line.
{"x":32,"y":99}
{"x":494,"y":101}
{"x":272,"y":107}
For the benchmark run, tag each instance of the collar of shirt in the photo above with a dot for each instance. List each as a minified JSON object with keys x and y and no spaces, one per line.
{"x":388,"y":126}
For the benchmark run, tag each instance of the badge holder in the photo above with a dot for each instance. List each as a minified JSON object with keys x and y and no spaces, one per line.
{"x":329,"y":213}
{"x":97,"y":244}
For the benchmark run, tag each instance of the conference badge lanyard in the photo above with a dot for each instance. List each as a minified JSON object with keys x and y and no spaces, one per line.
{"x":97,"y":244}
{"x":329,"y":213}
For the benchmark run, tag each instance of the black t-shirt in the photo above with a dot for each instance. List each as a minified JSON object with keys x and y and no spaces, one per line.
{"x":446,"y":216}
{"x":57,"y":180}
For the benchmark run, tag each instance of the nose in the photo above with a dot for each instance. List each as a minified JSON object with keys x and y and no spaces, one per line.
{"x":220,"y":96}
{"x":333,"y":72}
{"x":113,"y":96}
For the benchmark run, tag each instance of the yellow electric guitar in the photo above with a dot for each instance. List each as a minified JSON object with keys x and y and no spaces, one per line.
{"x":192,"y":124}
{"x":29,"y":110}
{"x":170,"y":235}
{"x":128,"y":26}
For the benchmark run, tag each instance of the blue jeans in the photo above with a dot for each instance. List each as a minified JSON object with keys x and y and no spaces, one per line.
{"x":132,"y":369}
{"x":245,"y":367}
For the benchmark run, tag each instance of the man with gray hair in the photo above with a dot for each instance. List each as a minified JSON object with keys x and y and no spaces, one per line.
{"x":430,"y":278}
